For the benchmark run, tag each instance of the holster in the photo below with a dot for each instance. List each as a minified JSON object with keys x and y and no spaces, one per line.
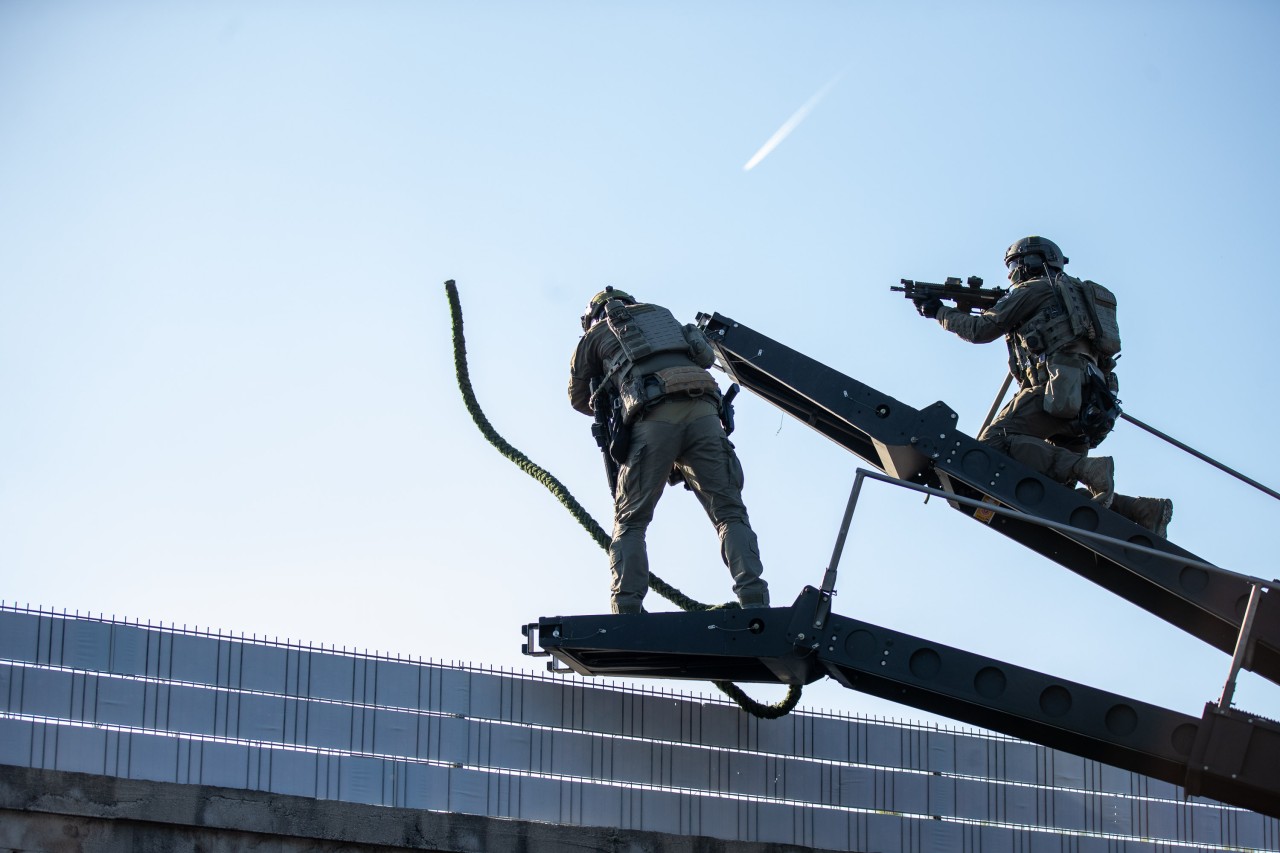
{"x":619,"y":433}
{"x":1100,"y":408}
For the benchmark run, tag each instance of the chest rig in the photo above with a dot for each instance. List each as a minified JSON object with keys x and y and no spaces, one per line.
{"x":657,"y":357}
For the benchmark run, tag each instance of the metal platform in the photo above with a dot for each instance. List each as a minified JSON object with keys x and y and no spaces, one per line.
{"x":1229,"y":756}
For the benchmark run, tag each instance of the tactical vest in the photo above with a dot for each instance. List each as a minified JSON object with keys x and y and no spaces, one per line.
{"x":656,"y":358}
{"x":1079,"y":316}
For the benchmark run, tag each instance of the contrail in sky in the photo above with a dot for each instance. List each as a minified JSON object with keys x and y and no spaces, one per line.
{"x":790,"y":124}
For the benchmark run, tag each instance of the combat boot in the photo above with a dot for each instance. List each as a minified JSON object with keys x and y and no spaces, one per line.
{"x":1098,"y":475}
{"x":1152,"y":513}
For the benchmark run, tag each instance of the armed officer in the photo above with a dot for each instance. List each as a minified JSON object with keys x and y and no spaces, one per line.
{"x":670,"y":406}
{"x":1063,"y":339}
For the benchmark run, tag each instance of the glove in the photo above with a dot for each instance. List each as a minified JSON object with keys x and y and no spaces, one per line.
{"x":929,"y":307}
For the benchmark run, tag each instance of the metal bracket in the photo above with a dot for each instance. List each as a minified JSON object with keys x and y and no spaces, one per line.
{"x":530,"y":631}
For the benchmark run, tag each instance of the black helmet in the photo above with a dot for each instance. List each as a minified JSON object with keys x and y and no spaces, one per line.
{"x":595,"y":308}
{"x":1031,"y":257}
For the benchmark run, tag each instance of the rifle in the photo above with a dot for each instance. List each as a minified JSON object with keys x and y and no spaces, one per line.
{"x":971,"y":299}
{"x":602,"y":430}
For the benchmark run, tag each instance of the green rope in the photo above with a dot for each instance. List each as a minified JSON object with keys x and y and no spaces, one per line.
{"x":579,"y":512}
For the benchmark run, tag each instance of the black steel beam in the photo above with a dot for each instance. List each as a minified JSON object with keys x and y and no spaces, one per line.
{"x":925,"y":446}
{"x":860,"y":418}
{"x":1232,"y":757}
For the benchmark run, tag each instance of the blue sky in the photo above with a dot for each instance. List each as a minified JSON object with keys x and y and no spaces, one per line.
{"x":228,"y":396}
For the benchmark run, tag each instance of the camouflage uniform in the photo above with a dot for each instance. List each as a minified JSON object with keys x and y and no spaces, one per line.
{"x":1023,"y":429}
{"x":1054,"y":446}
{"x":677,"y":431}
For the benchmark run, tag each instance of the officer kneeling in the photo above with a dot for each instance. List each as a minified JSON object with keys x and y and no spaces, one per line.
{"x":1063,"y":339}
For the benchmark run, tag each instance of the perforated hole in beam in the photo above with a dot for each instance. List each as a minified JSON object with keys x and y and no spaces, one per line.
{"x":977,"y":463}
{"x":1029,"y":491}
{"x":1139,"y":557}
{"x":925,"y":664}
{"x":1055,"y":700}
{"x":990,"y":682}
{"x":1121,"y":719}
{"x":1193,"y":579}
{"x":1085,"y":518}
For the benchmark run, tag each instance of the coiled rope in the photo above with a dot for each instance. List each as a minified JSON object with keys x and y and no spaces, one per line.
{"x":562,"y":494}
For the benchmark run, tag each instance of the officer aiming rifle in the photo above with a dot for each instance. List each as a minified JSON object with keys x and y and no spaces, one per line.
{"x":1063,"y":339}
{"x":972,"y":298}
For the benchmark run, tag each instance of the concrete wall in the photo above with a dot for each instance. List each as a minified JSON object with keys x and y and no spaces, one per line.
{"x":58,"y":812}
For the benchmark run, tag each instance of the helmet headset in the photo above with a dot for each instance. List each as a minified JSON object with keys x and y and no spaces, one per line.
{"x":1033,"y":257}
{"x":595,"y":308}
